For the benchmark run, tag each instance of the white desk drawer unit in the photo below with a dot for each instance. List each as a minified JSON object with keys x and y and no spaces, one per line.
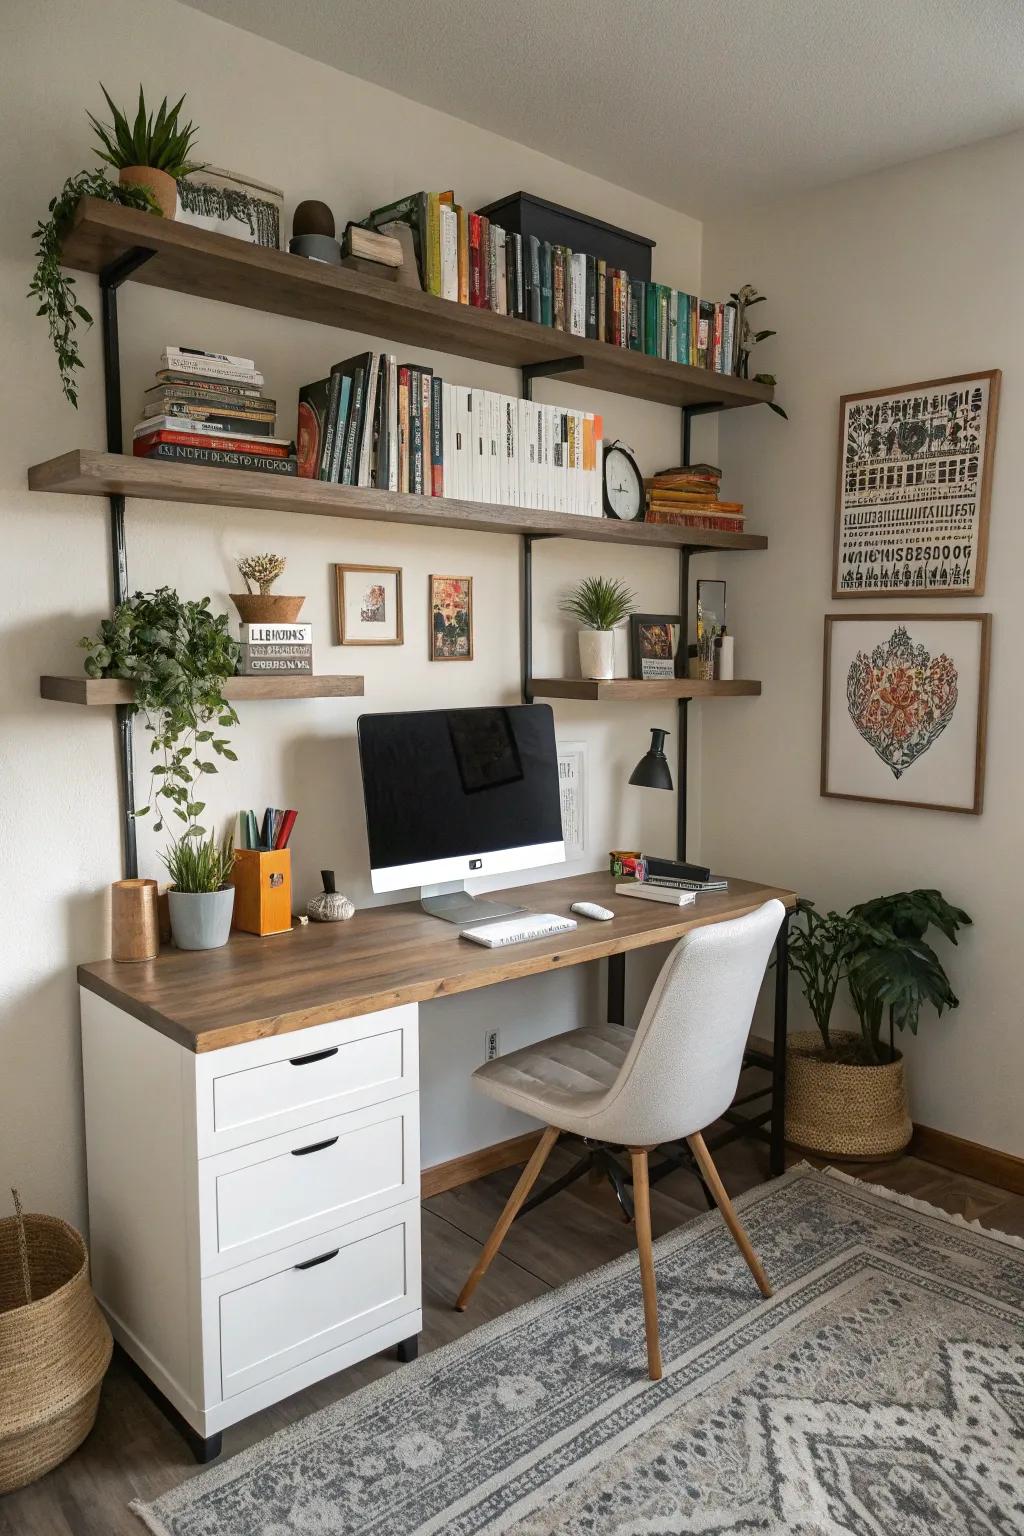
{"x":294,"y":1162}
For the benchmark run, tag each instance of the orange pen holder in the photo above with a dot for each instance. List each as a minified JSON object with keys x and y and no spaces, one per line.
{"x":263,"y":890}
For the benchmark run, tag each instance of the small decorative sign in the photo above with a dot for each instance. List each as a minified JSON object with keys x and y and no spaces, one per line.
{"x":654,"y":641}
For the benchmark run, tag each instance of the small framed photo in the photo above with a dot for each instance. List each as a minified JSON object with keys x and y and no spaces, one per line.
{"x":655,"y":641}
{"x":451,"y":618}
{"x":369,"y":603}
{"x":904,"y":708}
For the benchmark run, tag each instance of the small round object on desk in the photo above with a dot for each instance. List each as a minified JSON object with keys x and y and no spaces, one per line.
{"x":330,"y":906}
{"x":591,"y":909}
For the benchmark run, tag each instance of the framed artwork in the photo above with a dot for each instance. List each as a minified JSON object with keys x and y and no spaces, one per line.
{"x":654,"y":641}
{"x":913,"y":484}
{"x":369,"y":604}
{"x":451,"y":618}
{"x":904,"y":707}
{"x":572,"y":792}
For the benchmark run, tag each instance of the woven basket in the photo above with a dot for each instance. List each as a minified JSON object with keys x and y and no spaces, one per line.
{"x":843,"y":1111}
{"x":55,"y":1346}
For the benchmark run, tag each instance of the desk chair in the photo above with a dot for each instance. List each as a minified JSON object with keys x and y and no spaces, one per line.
{"x":668,"y":1079}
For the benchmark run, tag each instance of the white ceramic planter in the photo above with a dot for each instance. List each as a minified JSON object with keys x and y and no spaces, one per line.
{"x":597,"y":653}
{"x":201,"y":919}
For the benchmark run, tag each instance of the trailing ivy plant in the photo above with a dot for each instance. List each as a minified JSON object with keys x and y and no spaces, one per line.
{"x":178,"y":655}
{"x":51,"y":287}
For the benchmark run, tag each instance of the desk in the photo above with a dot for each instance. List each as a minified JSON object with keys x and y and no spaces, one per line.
{"x":263,"y":1124}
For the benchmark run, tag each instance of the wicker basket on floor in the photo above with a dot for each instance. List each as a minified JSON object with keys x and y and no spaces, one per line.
{"x":843,"y":1111}
{"x":55,"y":1346}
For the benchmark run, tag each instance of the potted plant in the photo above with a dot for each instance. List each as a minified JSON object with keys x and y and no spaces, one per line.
{"x":264,"y":606}
{"x":178,"y":655}
{"x":598,"y":604}
{"x":846,"y":1092}
{"x":150,"y":153}
{"x":201,"y":898}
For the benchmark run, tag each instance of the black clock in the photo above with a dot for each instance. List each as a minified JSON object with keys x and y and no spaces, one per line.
{"x":623,"y":484}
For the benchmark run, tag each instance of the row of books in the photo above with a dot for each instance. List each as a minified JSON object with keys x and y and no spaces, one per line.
{"x":466,"y":258}
{"x":275,"y":650}
{"x":689,"y":495}
{"x":209,"y":408}
{"x":377,"y":423}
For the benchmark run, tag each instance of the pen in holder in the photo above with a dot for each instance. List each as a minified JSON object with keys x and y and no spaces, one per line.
{"x":263,"y":890}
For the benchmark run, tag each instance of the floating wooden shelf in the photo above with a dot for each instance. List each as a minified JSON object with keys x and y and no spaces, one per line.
{"x":88,"y":472}
{"x":209,"y":266}
{"x":111,"y":690}
{"x":635,"y":688}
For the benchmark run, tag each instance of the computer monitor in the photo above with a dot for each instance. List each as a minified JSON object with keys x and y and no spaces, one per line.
{"x":453,"y":794}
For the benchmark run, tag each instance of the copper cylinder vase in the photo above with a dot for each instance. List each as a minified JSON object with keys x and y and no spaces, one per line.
{"x":134,"y":925}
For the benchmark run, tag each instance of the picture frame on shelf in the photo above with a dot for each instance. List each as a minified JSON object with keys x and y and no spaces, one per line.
{"x":913,"y":488}
{"x":368,"y":604}
{"x":656,"y":646}
{"x":450,"y":614}
{"x":905,"y":709}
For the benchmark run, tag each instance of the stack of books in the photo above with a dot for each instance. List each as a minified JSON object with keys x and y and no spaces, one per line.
{"x":275,"y":650}
{"x":689,"y":496}
{"x":400,"y":427}
{"x":466,"y":258}
{"x":209,"y":408}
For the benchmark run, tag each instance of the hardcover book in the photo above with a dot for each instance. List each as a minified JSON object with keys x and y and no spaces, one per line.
{"x":216,"y":457}
{"x":310,"y":432}
{"x":275,"y":634}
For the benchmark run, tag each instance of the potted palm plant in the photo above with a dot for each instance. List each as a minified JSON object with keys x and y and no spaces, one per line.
{"x":151,"y":152}
{"x":846,"y":1093}
{"x":598,"y":604}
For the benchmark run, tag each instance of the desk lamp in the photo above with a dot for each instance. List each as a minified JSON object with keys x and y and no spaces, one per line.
{"x":653,"y":771}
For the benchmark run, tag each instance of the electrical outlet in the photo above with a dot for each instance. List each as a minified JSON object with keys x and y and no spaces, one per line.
{"x":492,"y":1044}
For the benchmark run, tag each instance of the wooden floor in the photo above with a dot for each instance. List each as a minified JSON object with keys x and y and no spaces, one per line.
{"x":134,"y":1453}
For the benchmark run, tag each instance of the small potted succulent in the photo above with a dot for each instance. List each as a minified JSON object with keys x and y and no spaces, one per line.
{"x":263,"y":606}
{"x":598,"y":604}
{"x":150,"y":153}
{"x":201,"y":898}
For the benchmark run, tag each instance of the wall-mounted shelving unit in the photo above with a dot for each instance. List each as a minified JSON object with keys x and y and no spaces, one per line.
{"x":122,"y":244}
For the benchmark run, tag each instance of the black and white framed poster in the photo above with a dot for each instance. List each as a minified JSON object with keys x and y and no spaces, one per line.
{"x":913,"y":485}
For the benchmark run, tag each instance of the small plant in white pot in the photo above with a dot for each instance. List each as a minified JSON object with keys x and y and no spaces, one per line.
{"x":201,"y":897}
{"x":598,"y":604}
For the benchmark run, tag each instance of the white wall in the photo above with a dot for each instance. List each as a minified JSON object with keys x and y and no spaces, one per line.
{"x":907,"y":275}
{"x":317,"y":133}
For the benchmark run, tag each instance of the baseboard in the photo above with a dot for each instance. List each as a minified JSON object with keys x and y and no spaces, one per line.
{"x":1002,"y":1169}
{"x":474,"y":1165}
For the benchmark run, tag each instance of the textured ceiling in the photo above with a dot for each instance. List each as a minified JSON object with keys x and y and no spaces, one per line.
{"x":700,"y":104}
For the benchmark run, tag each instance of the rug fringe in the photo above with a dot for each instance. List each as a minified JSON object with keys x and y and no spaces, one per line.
{"x":148,"y":1516}
{"x":924,"y":1206}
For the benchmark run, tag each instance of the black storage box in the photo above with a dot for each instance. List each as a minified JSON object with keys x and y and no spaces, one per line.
{"x":523,"y":214}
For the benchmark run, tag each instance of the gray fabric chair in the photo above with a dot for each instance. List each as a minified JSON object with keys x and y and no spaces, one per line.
{"x":667,"y":1079}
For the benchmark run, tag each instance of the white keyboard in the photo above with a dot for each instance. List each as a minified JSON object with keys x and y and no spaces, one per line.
{"x":517,"y":930}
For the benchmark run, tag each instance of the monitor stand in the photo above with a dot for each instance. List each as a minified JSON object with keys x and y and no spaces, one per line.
{"x":454,"y":904}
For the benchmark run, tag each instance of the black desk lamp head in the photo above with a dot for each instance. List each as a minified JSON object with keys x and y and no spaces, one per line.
{"x":653,"y":771}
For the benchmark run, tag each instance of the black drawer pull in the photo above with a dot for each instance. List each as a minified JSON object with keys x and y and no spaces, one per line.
{"x":323,"y":1259}
{"x":318,"y":1146}
{"x":304,"y":1061}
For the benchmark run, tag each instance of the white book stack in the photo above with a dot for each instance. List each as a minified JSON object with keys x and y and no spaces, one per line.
{"x":276,"y":650}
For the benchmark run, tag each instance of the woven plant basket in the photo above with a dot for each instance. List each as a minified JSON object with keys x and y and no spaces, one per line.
{"x":55,"y":1346}
{"x":843,"y":1111}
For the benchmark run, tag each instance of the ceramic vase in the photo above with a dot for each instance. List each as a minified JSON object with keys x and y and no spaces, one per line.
{"x":201,"y":919}
{"x":597,"y":653}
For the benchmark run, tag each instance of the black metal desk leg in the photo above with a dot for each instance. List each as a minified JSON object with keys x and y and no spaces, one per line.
{"x":777,"y":1162}
{"x":616,"y":989}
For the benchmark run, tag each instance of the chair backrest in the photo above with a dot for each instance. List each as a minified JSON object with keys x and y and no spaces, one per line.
{"x":684,"y":1064}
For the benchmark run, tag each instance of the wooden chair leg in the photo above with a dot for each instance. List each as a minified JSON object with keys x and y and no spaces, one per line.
{"x":732,"y":1221}
{"x":642,"y":1215}
{"x":527,"y":1179}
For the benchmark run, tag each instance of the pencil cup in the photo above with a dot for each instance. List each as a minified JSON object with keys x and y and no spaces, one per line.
{"x":263,"y":890}
{"x":134,"y":928}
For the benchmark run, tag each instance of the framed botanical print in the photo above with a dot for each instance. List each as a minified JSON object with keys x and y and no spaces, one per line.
{"x":904,"y":708}
{"x":369,"y":604}
{"x":451,"y":618}
{"x":913,"y":485}
{"x":654,"y":641}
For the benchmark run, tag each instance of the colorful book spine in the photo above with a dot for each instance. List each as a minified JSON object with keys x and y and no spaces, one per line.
{"x":220,"y":458}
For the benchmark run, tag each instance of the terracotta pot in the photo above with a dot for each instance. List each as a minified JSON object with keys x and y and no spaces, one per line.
{"x":844,"y":1111}
{"x":266,"y":607}
{"x":163,"y":187}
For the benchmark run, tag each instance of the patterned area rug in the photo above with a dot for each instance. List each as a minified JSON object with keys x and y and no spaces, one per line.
{"x":880,"y":1392}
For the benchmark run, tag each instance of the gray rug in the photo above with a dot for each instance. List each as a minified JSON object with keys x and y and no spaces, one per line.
{"x":880,"y":1392}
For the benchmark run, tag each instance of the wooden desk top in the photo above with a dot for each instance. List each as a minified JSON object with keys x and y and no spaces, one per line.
{"x":253,"y":987}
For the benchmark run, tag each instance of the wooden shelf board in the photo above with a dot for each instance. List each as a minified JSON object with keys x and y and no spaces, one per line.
{"x":619,"y":688}
{"x":88,"y":472}
{"x":209,"y":266}
{"x":111,"y":690}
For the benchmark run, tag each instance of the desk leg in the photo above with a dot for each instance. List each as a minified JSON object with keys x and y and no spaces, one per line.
{"x":407,"y":1349}
{"x":777,"y":1162}
{"x":616,"y":989}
